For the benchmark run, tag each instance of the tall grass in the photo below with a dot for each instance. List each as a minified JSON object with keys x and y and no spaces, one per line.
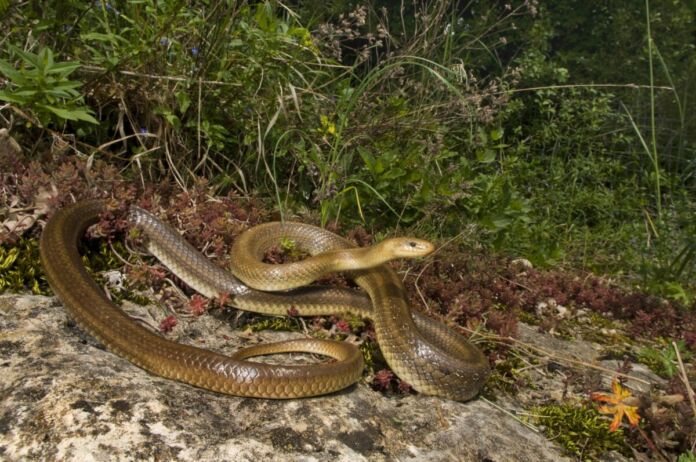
{"x":653,"y":131}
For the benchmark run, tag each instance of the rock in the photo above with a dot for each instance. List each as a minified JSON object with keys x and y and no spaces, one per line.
{"x":521,"y":265}
{"x":63,"y":397}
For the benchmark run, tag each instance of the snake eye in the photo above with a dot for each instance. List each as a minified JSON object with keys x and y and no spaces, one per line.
{"x":413,"y":244}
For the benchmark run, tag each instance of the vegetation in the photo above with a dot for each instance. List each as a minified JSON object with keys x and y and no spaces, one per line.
{"x":580,"y":430}
{"x":494,"y":115}
{"x":558,"y":132}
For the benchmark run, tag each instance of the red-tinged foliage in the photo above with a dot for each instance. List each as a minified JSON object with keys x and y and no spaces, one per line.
{"x":385,"y":380}
{"x":223,"y":298}
{"x":198,"y":305}
{"x":465,"y":287}
{"x":360,"y":236}
{"x":144,"y":276}
{"x":292,"y":312}
{"x":343,"y":326}
{"x":617,"y":405}
{"x":382,"y":380}
{"x":168,"y":324}
{"x":404,"y":387}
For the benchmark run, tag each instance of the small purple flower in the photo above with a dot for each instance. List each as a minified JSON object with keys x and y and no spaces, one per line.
{"x":194,"y":51}
{"x":143,"y":130}
{"x":111,"y":8}
{"x":164,"y":41}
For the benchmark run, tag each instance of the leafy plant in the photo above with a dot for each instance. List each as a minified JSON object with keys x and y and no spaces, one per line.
{"x":41,"y":85}
{"x":663,"y":361}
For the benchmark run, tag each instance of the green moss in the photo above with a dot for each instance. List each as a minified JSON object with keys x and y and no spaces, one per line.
{"x":505,"y":377}
{"x":273,"y":323}
{"x":99,"y":256}
{"x":582,"y":431}
{"x":372,"y":357}
{"x":356,"y":323}
{"x":594,"y":330}
{"x":528,"y":318}
{"x":291,"y":250}
{"x":20,"y":268}
{"x":600,"y":321}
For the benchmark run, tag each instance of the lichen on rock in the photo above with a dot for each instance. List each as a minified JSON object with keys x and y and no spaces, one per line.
{"x":63,"y":397}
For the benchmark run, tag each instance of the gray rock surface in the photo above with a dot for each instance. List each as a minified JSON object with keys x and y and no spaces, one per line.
{"x":63,"y":397}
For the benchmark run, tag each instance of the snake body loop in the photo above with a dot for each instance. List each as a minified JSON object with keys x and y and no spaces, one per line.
{"x":233,"y":375}
{"x":433,"y":358}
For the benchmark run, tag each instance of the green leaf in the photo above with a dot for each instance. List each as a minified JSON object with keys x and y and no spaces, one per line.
{"x":67,"y":85}
{"x":485,"y":156}
{"x":62,"y":94}
{"x":184,"y":101}
{"x":26,"y":56}
{"x":108,"y":38}
{"x":84,"y":115}
{"x":65,"y":68}
{"x":46,"y":58}
{"x":21,"y":93}
{"x":9,"y":71}
{"x":496,"y":134}
{"x":60,"y":112}
{"x":10,"y":98}
{"x":70,"y":114}
{"x":368,"y":158}
{"x":169,"y":116}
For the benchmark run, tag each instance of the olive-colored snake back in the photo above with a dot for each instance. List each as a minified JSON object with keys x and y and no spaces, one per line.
{"x":433,"y":358}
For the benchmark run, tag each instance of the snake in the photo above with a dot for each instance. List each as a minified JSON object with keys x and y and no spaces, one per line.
{"x":431,"y":357}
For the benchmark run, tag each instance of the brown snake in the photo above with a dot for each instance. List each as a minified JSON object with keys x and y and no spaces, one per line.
{"x":431,"y":357}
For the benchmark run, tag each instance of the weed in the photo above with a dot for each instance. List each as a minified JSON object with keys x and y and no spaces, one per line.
{"x":663,"y":361}
{"x":582,"y":431}
{"x":41,"y":85}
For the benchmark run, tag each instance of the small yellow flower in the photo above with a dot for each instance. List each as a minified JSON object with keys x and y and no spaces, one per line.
{"x":327,"y":126}
{"x":617,"y":405}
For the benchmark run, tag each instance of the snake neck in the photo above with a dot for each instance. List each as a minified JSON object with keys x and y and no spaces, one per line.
{"x":361,"y":258}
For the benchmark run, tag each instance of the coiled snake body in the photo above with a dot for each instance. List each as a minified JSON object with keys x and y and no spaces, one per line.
{"x":428,"y":355}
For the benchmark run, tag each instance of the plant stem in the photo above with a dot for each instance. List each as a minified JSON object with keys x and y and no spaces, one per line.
{"x":658,"y":195}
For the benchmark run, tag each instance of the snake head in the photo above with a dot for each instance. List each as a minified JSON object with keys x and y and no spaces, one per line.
{"x":406,"y":247}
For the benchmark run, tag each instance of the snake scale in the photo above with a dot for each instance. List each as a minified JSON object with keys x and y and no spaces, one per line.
{"x":430,"y":356}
